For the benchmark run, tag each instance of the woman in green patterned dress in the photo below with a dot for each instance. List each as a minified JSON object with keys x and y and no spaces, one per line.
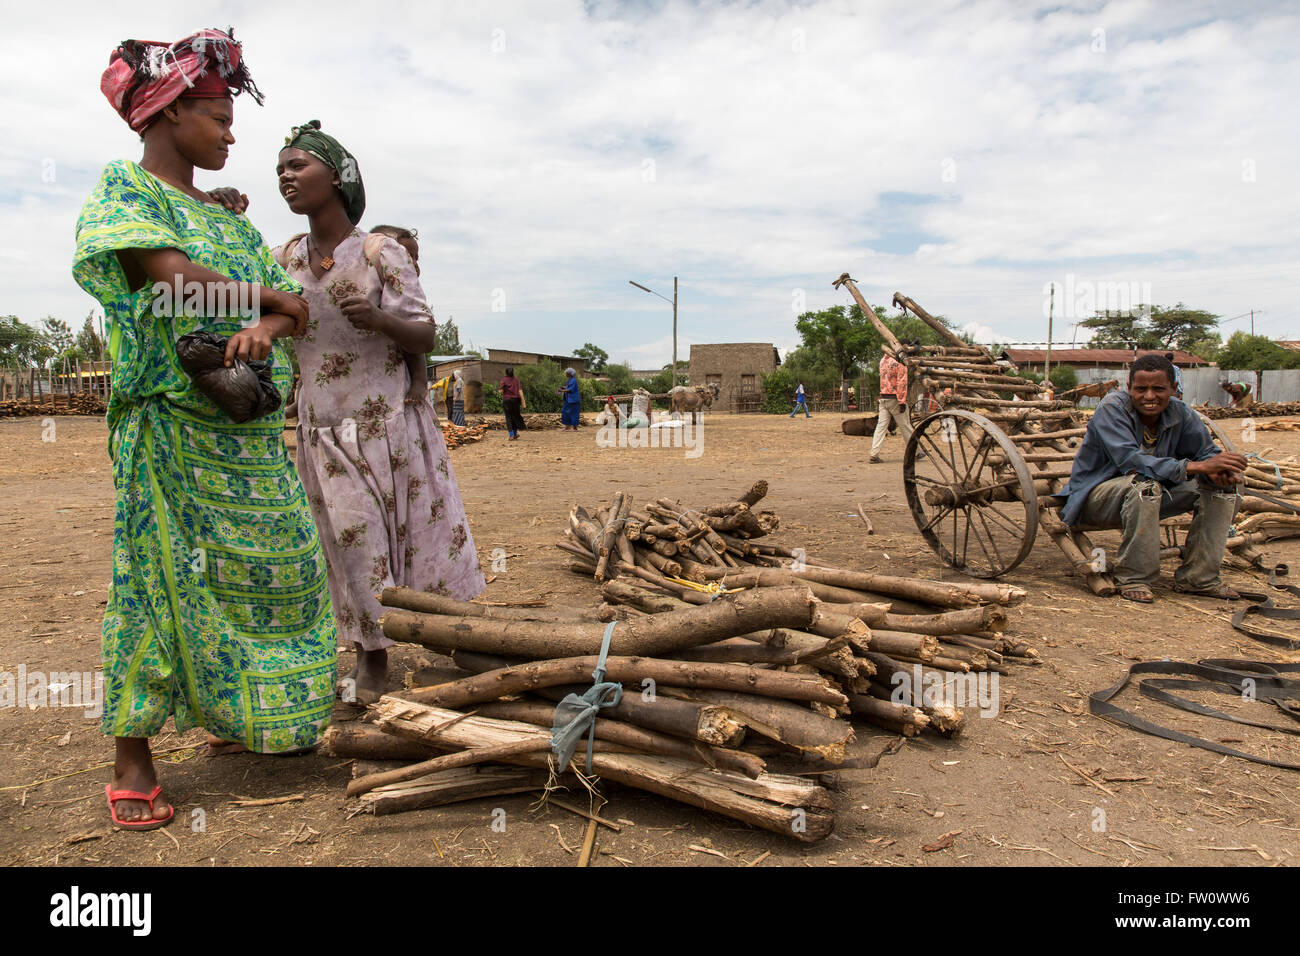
{"x":218,"y":613}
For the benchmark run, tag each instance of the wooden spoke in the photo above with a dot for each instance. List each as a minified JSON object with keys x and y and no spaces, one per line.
{"x":949,"y":480}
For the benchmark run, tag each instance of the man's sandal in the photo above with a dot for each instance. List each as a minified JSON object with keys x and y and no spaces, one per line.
{"x":149,"y":824}
{"x":1137,"y":592}
{"x":1220,"y":591}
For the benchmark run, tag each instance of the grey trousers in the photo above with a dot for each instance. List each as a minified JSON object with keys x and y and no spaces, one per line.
{"x":1137,"y":504}
{"x":890,"y":408}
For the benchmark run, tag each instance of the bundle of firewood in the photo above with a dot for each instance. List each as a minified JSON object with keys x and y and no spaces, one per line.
{"x":533,"y":423}
{"x":78,"y":403}
{"x":1250,"y":410}
{"x":457,"y":435}
{"x":741,"y":669}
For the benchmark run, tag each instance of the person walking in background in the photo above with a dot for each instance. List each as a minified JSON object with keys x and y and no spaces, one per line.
{"x":458,"y":398}
{"x":1178,"y":377}
{"x":570,"y":411}
{"x":512,"y":400}
{"x":800,"y":401}
{"x":893,"y":402}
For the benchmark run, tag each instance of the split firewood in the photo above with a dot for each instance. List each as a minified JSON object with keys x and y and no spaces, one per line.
{"x":453,"y":786}
{"x":765,"y":802}
{"x":464,"y":758}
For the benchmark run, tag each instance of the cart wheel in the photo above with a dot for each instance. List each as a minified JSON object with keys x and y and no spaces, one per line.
{"x":1219,"y":434}
{"x":971,"y":494}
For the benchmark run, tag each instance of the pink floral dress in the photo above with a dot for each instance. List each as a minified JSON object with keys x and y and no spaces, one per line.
{"x":375,"y":467}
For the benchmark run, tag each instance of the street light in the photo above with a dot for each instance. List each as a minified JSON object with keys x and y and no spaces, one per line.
{"x":673,"y":302}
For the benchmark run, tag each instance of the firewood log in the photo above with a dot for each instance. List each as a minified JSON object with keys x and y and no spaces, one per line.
{"x":900,"y":718}
{"x":549,"y":673}
{"x":638,"y":737}
{"x":368,"y":742}
{"x":765,"y":802}
{"x":789,"y":724}
{"x":412,"y":600}
{"x":453,"y":786}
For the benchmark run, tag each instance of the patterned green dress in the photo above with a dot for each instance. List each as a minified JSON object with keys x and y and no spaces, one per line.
{"x":218,"y":613}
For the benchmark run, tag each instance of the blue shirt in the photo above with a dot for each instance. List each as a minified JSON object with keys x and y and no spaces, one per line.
{"x":1178,"y":379}
{"x":571,"y":394}
{"x":798,"y":395}
{"x":1112,"y":447}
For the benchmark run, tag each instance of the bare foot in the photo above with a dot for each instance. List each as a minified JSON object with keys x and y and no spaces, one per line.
{"x":133,"y":770}
{"x":217,"y":747}
{"x":369,"y":679}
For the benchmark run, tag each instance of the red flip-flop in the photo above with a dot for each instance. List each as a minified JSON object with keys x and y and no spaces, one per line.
{"x":150,"y":824}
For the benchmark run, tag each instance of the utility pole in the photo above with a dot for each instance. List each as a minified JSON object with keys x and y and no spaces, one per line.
{"x":1051,"y":307}
{"x":675,"y":331}
{"x":1252,"y":322}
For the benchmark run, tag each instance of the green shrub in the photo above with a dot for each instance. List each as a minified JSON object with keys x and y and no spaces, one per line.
{"x":1064,"y":377}
{"x":540,"y":382}
{"x":492,"y":399}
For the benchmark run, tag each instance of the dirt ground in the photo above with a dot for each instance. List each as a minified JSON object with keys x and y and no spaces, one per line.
{"x":1014,"y":786}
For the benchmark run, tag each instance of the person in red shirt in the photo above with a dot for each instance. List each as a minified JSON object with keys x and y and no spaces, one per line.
{"x":893,"y":402}
{"x":512,"y":400}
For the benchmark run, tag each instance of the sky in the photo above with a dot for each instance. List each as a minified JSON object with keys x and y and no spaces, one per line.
{"x":967,"y":154}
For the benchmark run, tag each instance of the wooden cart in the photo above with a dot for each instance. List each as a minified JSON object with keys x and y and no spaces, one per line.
{"x":996,"y":457}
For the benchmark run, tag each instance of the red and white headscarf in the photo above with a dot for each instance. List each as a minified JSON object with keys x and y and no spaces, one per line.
{"x":144,"y":76}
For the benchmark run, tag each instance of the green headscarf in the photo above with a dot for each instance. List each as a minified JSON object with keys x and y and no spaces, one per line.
{"x":309,"y":138}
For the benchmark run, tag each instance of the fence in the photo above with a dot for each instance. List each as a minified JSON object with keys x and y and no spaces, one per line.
{"x":40,"y":385}
{"x":1202,"y":386}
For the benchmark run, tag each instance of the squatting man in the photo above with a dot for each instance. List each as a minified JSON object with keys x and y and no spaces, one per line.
{"x":1146,"y":456}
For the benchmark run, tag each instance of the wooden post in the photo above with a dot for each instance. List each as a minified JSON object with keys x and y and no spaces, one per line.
{"x":903,"y":302}
{"x":890,"y":339}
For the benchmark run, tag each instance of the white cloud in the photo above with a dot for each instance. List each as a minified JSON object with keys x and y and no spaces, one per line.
{"x":517,"y":138}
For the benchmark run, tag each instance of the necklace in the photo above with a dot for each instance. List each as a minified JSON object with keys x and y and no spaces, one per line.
{"x":326,"y":262}
{"x":1149,"y":437}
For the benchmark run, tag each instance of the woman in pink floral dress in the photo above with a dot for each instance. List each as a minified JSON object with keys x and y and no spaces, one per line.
{"x":373,"y":463}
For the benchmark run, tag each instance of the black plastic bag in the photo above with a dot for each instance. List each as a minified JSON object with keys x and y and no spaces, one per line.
{"x":244,"y":391}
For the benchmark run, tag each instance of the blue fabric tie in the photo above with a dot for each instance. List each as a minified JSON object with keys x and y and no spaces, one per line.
{"x":575,"y":715}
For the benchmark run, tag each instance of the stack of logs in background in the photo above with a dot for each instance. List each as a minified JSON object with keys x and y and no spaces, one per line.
{"x":744,"y":671}
{"x":77,"y":403}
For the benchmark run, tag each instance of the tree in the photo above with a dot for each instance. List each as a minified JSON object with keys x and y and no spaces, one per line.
{"x":1178,"y":326}
{"x":843,"y":335}
{"x":1154,"y":327}
{"x":446,"y":339}
{"x":21,"y":345}
{"x":59,"y":336}
{"x":89,"y":342}
{"x":595,"y":356}
{"x":1119,"y":330}
{"x":1255,"y":352}
{"x":620,"y":378}
{"x":663,"y":380}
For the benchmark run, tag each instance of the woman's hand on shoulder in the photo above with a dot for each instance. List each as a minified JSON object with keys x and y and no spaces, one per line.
{"x":362,"y":313}
{"x":230,"y":197}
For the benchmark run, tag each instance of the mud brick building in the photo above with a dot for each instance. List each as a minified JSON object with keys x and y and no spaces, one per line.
{"x":737,"y":368}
